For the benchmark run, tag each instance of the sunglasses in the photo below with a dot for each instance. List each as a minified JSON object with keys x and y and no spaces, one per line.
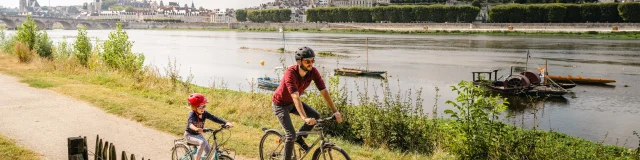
{"x":308,"y":61}
{"x":202,"y":107}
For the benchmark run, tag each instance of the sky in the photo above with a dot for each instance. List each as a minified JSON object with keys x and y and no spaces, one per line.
{"x":209,"y":4}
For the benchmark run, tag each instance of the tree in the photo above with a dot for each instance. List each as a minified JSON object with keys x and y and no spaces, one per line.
{"x":117,"y":52}
{"x":129,"y":9}
{"x":116,"y":8}
{"x":241,"y":15}
{"x":201,"y":8}
{"x":476,"y":3}
{"x":44,"y":45}
{"x":27,"y":33}
{"x":106,"y":4}
{"x":161,"y":3}
{"x":83,"y":47}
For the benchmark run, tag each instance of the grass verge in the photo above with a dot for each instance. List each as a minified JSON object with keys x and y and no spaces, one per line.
{"x":9,"y":150}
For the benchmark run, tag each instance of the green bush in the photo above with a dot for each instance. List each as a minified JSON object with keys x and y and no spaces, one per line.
{"x":270,"y":15}
{"x":590,"y":12}
{"x":537,"y":14}
{"x":117,"y":52}
{"x":360,"y":14}
{"x":395,"y":14}
{"x":44,"y":45}
{"x":630,"y":12}
{"x":82,"y":46}
{"x":27,"y":32}
{"x":63,"y":50}
{"x":573,"y":13}
{"x":241,"y":15}
{"x":609,"y":13}
{"x":556,"y":13}
{"x":511,"y":13}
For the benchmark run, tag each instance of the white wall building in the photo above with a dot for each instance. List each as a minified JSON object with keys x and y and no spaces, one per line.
{"x":223,"y":16}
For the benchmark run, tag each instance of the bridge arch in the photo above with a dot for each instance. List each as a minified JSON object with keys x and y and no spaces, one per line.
{"x":66,"y":25}
{"x":10,"y":23}
{"x":105,"y":25}
{"x":40,"y":24}
{"x":86,"y":24}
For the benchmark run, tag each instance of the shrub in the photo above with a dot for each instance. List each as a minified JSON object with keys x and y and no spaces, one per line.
{"x":63,"y":50}
{"x":27,"y":32}
{"x":44,"y":45}
{"x":82,"y":46}
{"x":117,"y":52}
{"x":629,"y":12}
{"x":241,"y":15}
{"x":25,"y":55}
{"x":590,"y":12}
{"x":609,"y":13}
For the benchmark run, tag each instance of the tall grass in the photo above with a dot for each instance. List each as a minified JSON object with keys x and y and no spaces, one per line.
{"x":25,"y":55}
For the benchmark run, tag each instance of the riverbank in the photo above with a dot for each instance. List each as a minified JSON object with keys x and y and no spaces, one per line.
{"x":629,"y":31}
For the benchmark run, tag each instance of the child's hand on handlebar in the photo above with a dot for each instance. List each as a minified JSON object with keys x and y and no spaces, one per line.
{"x":229,"y":125}
{"x":200,"y":130}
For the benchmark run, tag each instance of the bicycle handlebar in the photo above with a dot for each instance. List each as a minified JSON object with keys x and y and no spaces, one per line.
{"x":215,"y":130}
{"x":322,"y":120}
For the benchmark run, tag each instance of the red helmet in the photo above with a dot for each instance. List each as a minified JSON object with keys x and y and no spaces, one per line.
{"x":197,"y":99}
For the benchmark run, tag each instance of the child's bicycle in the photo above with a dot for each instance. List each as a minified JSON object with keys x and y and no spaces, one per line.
{"x":182,"y":150}
{"x":272,"y":145}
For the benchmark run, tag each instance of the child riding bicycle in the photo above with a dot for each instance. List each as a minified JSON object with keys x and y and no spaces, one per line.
{"x":195,"y":123}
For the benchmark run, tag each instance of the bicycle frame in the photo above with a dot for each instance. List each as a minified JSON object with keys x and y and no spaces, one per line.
{"x":320,"y":138}
{"x":214,"y":147}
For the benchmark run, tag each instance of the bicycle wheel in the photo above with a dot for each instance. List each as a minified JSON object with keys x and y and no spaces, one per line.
{"x":331,"y":153}
{"x":225,"y":157}
{"x":271,"y":146}
{"x":181,"y":152}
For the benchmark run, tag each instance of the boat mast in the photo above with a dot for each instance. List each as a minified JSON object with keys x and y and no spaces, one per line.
{"x":367,"y":48}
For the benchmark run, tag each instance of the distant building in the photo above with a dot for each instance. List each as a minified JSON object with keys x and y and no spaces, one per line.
{"x":223,"y":16}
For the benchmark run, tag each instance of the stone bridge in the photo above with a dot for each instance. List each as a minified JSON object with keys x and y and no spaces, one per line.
{"x":47,"y":22}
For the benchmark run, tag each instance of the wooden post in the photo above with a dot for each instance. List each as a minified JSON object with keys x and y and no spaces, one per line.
{"x":104,"y":150}
{"x":95,"y":156}
{"x":526,"y":65}
{"x":133,"y":157}
{"x":113,"y":152}
{"x":367,"y":48}
{"x":546,"y":70}
{"x":124,"y":156}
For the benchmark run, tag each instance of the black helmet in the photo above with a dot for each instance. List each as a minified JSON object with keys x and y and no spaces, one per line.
{"x":304,"y":52}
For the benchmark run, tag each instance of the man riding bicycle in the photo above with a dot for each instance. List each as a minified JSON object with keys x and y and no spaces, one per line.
{"x":286,"y":98}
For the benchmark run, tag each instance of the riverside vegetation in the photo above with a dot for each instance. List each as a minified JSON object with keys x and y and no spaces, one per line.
{"x":392,"y":126}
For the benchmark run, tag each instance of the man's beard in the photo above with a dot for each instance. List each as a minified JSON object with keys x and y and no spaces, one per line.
{"x":305,"y":69}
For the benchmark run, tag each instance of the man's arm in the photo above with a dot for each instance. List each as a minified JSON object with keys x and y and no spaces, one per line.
{"x":298,"y":103}
{"x":327,"y":98}
{"x":329,"y":101}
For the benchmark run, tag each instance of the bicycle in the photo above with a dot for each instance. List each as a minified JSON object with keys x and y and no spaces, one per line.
{"x":190,"y":150}
{"x":277,"y":143}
